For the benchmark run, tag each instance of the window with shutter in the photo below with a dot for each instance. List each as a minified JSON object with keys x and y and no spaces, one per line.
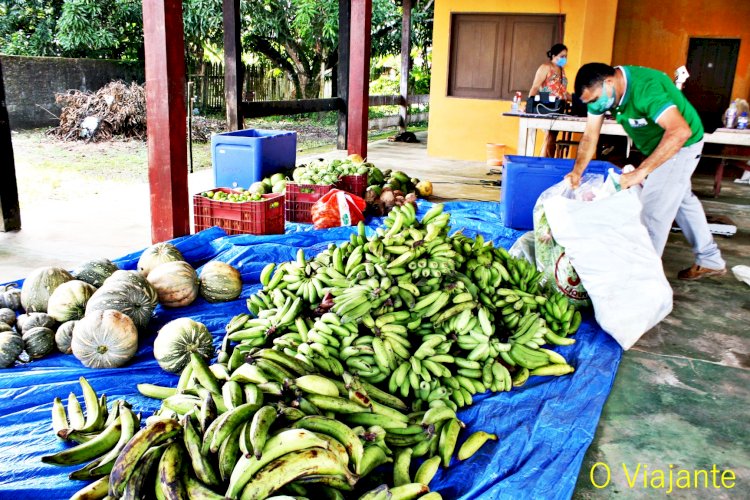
{"x":494,"y":55}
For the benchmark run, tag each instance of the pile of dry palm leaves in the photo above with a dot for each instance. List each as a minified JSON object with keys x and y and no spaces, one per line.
{"x":117,"y":109}
{"x":204,"y":128}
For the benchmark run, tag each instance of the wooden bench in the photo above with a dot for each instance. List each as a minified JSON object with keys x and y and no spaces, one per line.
{"x":720,"y":169}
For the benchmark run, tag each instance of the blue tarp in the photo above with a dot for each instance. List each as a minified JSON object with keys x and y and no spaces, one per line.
{"x":544,"y":427}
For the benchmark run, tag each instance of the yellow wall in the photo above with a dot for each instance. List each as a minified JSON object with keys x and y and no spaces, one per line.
{"x":658,"y":37}
{"x":460,"y":128}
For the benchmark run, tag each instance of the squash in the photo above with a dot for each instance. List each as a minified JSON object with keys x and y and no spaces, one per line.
{"x":10,"y":296}
{"x":38,"y":341}
{"x":11,"y":346}
{"x":104,"y":339}
{"x":127,"y":292}
{"x":5,"y":327}
{"x":220,"y":282}
{"x":156,"y":255}
{"x":33,"y":320}
{"x":94,"y":272}
{"x":40,"y":284}
{"x":64,"y":336}
{"x":178,"y":339}
{"x":8,"y":316}
{"x":68,"y":301}
{"x":176,"y":283}
{"x":132,"y":277}
{"x":20,"y":320}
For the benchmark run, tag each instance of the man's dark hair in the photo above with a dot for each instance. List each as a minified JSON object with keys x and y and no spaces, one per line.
{"x":592,"y":74}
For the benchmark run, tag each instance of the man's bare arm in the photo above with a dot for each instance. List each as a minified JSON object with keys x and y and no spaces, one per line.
{"x":676,"y":133}
{"x":586,"y":148}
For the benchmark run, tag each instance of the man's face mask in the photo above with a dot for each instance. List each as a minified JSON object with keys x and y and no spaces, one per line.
{"x":604,"y":102}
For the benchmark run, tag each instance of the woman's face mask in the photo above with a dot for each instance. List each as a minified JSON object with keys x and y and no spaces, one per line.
{"x":562,"y":61}
{"x":604,"y":102}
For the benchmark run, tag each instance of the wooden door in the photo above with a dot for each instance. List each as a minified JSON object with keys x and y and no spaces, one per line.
{"x":494,"y":55}
{"x":712,"y":63}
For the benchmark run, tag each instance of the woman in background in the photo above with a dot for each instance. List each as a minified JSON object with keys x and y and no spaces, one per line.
{"x":550,"y":77}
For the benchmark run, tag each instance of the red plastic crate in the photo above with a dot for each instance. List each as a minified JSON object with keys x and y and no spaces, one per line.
{"x":300,"y":198}
{"x":354,"y":184}
{"x":250,"y":217}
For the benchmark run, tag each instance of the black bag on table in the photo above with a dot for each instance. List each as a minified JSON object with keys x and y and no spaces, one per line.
{"x":543,"y":104}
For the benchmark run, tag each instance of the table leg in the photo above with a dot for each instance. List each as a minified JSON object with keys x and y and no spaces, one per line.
{"x":531,"y":142}
{"x":523,"y":131}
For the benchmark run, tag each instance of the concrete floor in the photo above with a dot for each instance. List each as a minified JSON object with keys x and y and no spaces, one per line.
{"x":681,"y":394}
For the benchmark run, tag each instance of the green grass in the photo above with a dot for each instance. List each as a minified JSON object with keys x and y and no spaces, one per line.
{"x":47,"y":167}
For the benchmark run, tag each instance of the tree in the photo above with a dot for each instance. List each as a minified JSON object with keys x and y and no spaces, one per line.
{"x":301,"y":36}
{"x":203,"y":24}
{"x":72,"y":28}
{"x":27,"y":27}
{"x":110,"y":29}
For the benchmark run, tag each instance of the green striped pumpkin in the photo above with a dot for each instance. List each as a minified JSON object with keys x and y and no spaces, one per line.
{"x":10,"y":296}
{"x":11,"y":346}
{"x":94,"y":272}
{"x":176,"y":283}
{"x":127,"y":292}
{"x":32,"y":320}
{"x":156,"y":255}
{"x":177,"y":339}
{"x":69,"y":300}
{"x":64,"y":337}
{"x":104,"y":339}
{"x":39,"y":285}
{"x":38,"y":342}
{"x":220,"y":282}
{"x":8,"y":315}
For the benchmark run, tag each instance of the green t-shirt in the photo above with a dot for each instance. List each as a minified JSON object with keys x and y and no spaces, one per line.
{"x":648,"y":93}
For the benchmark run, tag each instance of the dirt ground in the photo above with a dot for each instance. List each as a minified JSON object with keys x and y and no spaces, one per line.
{"x":48,"y":168}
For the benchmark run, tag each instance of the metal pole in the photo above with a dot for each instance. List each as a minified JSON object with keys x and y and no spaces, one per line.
{"x":190,"y":124}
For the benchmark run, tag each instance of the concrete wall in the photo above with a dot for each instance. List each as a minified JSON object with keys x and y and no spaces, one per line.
{"x":658,"y":37}
{"x":460,"y":128}
{"x":31,"y":84}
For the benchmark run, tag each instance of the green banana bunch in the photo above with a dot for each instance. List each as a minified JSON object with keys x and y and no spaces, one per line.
{"x":96,"y":447}
{"x":283,"y":470}
{"x":74,"y":419}
{"x":562,"y":318}
{"x":326,"y":349}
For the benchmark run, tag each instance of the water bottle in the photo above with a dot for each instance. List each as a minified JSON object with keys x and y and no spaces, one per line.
{"x":731,"y":115}
{"x":742,"y":121}
{"x":515,"y":107}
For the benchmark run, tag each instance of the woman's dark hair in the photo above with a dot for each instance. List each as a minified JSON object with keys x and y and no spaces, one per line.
{"x":556,"y":49}
{"x":592,"y":74}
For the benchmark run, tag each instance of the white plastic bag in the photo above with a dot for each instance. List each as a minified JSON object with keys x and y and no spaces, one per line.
{"x":742,"y":273}
{"x":551,"y":260}
{"x":523,"y":248}
{"x":611,"y":250}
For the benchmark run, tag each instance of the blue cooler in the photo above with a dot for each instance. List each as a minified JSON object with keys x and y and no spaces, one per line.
{"x":246,"y":156}
{"x":527,"y":177}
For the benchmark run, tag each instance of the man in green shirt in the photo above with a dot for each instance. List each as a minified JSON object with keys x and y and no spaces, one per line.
{"x":667,"y":129}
